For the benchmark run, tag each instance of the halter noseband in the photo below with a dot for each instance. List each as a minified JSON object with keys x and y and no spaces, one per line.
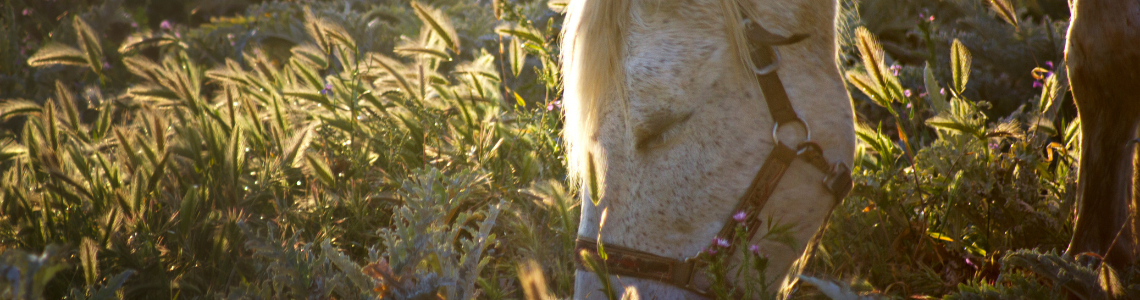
{"x":682,"y":273}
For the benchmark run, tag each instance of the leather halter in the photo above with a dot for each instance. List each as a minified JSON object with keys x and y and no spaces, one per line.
{"x":682,"y":273}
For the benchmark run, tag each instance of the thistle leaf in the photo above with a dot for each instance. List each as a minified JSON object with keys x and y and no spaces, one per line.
{"x":933,"y":91}
{"x":108,"y":291}
{"x":439,"y":23}
{"x":351,"y":269}
{"x":960,"y":60}
{"x":58,"y":54}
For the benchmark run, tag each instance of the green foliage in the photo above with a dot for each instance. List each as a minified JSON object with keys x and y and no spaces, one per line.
{"x":946,"y":195}
{"x":183,"y":167}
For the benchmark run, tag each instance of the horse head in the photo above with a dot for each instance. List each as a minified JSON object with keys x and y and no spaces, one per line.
{"x":667,"y":127}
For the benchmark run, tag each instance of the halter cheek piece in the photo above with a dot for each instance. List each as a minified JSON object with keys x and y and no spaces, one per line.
{"x":681,"y":273}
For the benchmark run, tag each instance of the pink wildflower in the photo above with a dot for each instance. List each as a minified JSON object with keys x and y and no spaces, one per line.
{"x":721,"y":242}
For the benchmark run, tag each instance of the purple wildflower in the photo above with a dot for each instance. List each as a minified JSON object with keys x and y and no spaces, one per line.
{"x":1050,"y":64}
{"x":1037,"y":84}
{"x":106,"y":65}
{"x":971,"y":263}
{"x":740,"y":216}
{"x":895,"y":69}
{"x":721,"y":242}
{"x":27,"y":12}
{"x":942,"y":91}
{"x":711,"y":251}
{"x":755,"y":249}
{"x":994,"y":146}
{"x":327,"y":90}
{"x":166,"y":25}
{"x":907,"y":93}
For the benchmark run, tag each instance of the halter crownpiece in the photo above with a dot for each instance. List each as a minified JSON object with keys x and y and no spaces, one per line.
{"x":682,"y":273}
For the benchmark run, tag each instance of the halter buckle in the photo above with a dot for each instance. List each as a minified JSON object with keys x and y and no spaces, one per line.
{"x":807,"y":131}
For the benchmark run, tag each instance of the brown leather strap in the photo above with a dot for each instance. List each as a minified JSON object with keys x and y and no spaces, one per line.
{"x":764,"y":56}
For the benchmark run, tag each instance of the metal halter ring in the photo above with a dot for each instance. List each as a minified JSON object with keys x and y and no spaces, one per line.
{"x":772,"y":67}
{"x":776,"y":131}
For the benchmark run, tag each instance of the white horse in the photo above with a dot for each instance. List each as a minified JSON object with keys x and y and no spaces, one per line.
{"x":665,"y":118}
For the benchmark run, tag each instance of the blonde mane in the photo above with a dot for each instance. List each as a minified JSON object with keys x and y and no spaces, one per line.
{"x":593,"y":47}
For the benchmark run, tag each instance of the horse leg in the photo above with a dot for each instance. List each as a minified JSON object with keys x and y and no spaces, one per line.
{"x":1104,"y":72}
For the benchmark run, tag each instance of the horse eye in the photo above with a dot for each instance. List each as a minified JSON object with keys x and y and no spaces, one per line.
{"x":656,"y":129}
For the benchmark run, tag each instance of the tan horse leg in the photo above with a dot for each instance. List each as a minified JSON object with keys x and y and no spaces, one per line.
{"x":1104,"y":72}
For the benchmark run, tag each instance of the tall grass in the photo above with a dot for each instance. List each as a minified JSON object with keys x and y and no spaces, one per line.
{"x":281,"y":172}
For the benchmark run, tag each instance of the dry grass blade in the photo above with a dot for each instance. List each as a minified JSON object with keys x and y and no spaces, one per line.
{"x":558,"y":6}
{"x":865,"y":85}
{"x":439,"y":23}
{"x":10,"y":150}
{"x":17,"y":107}
{"x":311,"y":54}
{"x":533,"y":282}
{"x":1004,"y":9}
{"x":89,"y":44}
{"x":527,"y":34}
{"x":313,"y":27}
{"x":142,"y":67}
{"x":413,"y":50}
{"x":960,"y":61}
{"x":66,"y":100}
{"x":298,"y":144}
{"x":318,"y":168}
{"x":138,"y":41}
{"x":592,"y":179}
{"x":517,"y":56}
{"x":88,"y":257}
{"x":872,"y":54}
{"x":57,"y":54}
{"x":395,"y":69}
